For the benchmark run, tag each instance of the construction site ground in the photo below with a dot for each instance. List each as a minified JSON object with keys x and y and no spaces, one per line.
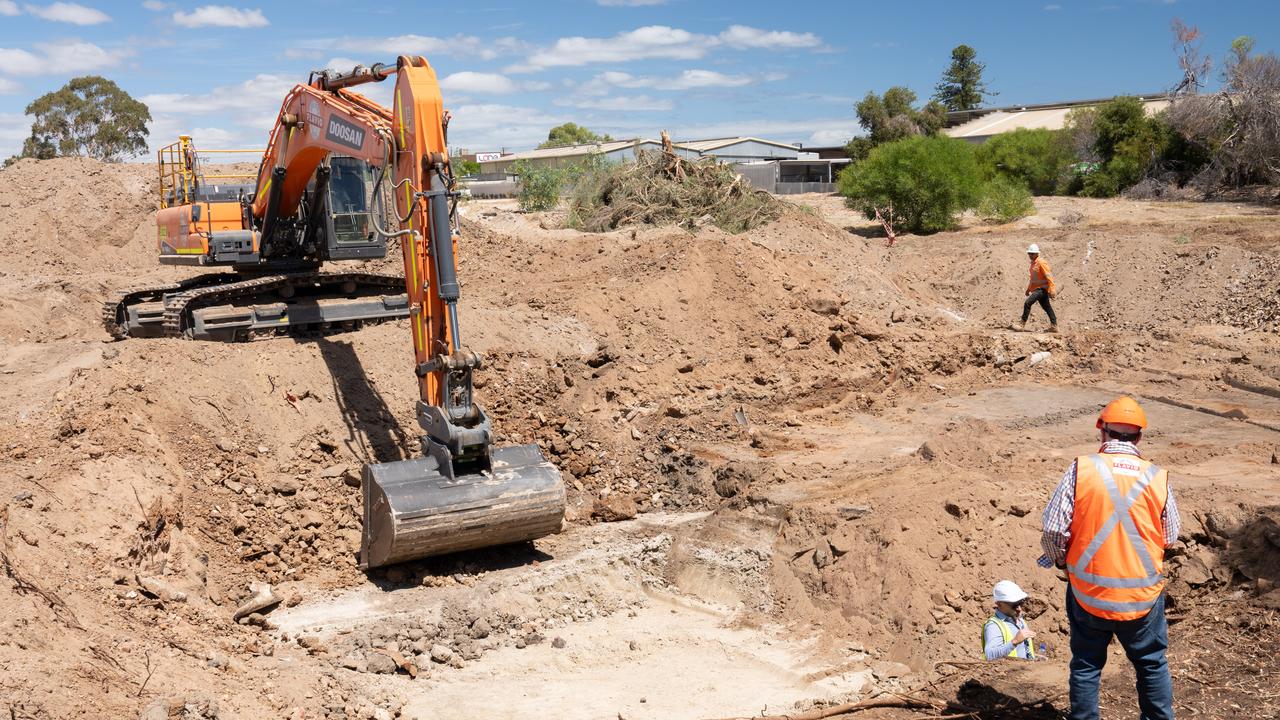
{"x":796,"y":460}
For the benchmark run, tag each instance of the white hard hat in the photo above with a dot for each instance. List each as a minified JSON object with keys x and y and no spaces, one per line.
{"x":1008,"y":591}
{"x":1033,"y":249}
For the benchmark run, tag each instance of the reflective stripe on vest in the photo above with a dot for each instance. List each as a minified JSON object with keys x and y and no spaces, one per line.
{"x":1006,"y":635}
{"x":1118,"y":593}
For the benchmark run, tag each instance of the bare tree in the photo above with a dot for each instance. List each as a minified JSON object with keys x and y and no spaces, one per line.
{"x":1239,"y":125}
{"x":1195,"y":65}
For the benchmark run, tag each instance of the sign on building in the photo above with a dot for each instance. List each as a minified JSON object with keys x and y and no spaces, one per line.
{"x":488,"y":157}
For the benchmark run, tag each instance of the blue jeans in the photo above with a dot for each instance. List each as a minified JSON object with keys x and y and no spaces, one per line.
{"x":1144,"y":641}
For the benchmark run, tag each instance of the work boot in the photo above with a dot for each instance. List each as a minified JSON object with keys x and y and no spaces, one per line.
{"x":1022,"y":325}
{"x":1053,"y":328}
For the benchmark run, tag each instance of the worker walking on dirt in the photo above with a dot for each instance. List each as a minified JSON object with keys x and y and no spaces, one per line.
{"x":1040,"y":289}
{"x":1005,"y":634}
{"x":1108,"y":524}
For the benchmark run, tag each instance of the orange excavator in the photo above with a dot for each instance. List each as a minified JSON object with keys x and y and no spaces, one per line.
{"x":312,"y":199}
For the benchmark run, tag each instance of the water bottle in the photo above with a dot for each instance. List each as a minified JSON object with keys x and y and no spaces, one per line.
{"x":1040,"y":652}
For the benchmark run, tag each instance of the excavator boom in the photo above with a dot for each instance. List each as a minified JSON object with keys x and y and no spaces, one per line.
{"x":463,"y":493}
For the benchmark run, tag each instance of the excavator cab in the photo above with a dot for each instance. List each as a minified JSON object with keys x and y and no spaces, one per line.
{"x":349,"y":231}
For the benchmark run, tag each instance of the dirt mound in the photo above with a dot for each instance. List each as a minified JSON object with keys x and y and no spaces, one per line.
{"x":73,"y":215}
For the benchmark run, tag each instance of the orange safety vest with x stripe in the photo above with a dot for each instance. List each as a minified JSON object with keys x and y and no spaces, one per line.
{"x":1115,"y":559}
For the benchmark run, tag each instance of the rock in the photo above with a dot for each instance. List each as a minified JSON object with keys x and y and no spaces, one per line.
{"x":480,"y":629}
{"x":824,"y":306}
{"x":382,"y":714}
{"x":226,"y":445}
{"x":284,"y":486}
{"x":927,"y":453}
{"x":615,"y":507}
{"x":333,"y":471}
{"x":853,"y":512}
{"x":886,"y":669}
{"x":1270,"y":600}
{"x":952,"y":598}
{"x":1194,"y":572}
{"x":1037,"y":358}
{"x":381,"y":663}
{"x":633,"y":645}
{"x":676,"y":410}
{"x":262,"y":599}
{"x":354,"y":660}
{"x":159,"y":589}
{"x":1017,"y":510}
{"x":558,"y":643}
{"x":311,"y":643}
{"x":822,"y":554}
{"x":441,"y":653}
{"x":954,"y":509}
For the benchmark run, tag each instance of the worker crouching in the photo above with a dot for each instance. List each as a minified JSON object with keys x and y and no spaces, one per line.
{"x":1005,"y":634}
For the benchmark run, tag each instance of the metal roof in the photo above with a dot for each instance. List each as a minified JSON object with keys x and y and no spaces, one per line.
{"x":1049,"y":118}
{"x":575,"y":150}
{"x":717,"y":143}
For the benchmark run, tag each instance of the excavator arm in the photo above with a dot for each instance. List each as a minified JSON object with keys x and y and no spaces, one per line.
{"x":463,"y":493}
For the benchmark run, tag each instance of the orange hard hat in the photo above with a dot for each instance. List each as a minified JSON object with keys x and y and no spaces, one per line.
{"x":1123,"y":411}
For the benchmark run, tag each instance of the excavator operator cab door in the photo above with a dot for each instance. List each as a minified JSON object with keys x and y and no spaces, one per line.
{"x":350,"y":231}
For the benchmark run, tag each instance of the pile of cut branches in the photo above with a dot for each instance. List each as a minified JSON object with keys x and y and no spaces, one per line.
{"x":662,"y":188}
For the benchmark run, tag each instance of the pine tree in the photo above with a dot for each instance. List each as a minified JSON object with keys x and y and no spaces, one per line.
{"x":962,"y":87}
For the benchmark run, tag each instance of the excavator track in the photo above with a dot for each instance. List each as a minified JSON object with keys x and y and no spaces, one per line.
{"x":138,"y":312}
{"x":286,"y":303}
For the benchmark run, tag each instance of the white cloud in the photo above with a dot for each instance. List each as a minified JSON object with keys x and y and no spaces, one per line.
{"x":14,"y":128}
{"x":9,"y":87}
{"x":635,"y":103}
{"x":68,"y":56}
{"x":155,"y":5}
{"x":741,"y":36}
{"x":9,"y":7}
{"x":478,"y":82}
{"x":221,"y":16}
{"x":68,"y":13}
{"x":630,"y":3}
{"x":687,"y":80}
{"x":257,"y":94}
{"x":385,"y":49}
{"x":494,"y":126}
{"x":658,"y":42}
{"x":650,"y":42}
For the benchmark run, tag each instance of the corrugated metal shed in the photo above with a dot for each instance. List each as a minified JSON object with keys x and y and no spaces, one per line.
{"x":981,"y":128}
{"x":613,"y":151}
{"x":738,"y":149}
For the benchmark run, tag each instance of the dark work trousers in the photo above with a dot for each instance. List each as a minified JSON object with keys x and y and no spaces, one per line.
{"x":1144,"y":641}
{"x":1039,"y":295}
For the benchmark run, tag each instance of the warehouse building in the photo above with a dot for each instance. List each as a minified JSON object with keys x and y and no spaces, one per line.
{"x":978,"y":126}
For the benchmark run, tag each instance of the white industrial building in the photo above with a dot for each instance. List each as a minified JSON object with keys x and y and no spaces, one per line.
{"x":978,"y":126}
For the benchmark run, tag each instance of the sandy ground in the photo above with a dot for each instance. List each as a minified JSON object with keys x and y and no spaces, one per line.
{"x":835,"y":449}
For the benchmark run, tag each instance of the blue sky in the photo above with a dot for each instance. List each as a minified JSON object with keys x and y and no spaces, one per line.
{"x":788,"y":71}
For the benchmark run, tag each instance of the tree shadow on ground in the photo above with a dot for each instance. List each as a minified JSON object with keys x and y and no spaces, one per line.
{"x":988,"y":702}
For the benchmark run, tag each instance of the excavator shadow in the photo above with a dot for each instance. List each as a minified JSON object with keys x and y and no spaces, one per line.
{"x":373,"y":435}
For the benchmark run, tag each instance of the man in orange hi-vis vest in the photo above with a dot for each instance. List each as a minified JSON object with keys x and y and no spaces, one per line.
{"x":1108,"y":524}
{"x":1040,"y":288}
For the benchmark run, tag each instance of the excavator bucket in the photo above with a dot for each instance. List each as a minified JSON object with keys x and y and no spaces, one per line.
{"x":412,"y":510}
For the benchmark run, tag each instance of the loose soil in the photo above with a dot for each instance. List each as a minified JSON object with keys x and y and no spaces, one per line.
{"x":834,"y":448}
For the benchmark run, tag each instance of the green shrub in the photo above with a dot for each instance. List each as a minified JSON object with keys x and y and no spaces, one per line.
{"x":540,"y":186}
{"x":1005,"y":200}
{"x":1037,"y":158}
{"x":927,"y":181}
{"x":1127,"y":144}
